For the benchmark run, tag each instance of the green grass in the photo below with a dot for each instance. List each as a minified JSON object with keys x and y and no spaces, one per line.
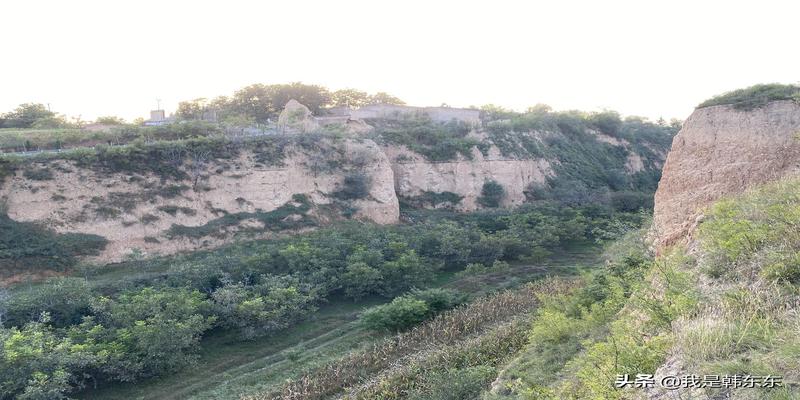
{"x":754,"y":96}
{"x":18,"y":139}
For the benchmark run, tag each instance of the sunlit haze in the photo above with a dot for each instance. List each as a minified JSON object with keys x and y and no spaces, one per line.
{"x":654,"y":59}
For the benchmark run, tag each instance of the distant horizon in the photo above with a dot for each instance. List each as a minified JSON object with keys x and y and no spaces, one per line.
{"x":169,"y":111}
{"x":94,"y":58}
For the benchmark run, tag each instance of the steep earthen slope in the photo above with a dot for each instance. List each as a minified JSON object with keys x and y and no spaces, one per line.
{"x":139,"y":210}
{"x":414,"y":176}
{"x":722,"y":151}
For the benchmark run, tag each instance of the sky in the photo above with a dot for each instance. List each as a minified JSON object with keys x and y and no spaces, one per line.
{"x":647,"y":58}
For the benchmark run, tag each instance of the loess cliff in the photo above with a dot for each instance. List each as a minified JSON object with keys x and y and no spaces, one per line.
{"x":172,"y":196}
{"x":723,"y":151}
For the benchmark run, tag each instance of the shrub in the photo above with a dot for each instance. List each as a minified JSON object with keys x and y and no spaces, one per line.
{"x":355,"y":186}
{"x":156,"y":330}
{"x":66,"y":300}
{"x":492,"y":193}
{"x":27,"y":245}
{"x":783,"y":270}
{"x":38,"y":174}
{"x":402,"y":313}
{"x":411,"y":309}
{"x":439,"y":299}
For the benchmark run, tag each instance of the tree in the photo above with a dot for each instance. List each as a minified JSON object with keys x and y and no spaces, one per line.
{"x":492,"y":194}
{"x":254,"y":101}
{"x":350,"y":98}
{"x":406,"y":271}
{"x":608,"y":122}
{"x":259,"y":309}
{"x":110,"y":120}
{"x":37,"y":363}
{"x":355,"y":186}
{"x":192,"y":109}
{"x":385,"y":98}
{"x":491,"y":112}
{"x":360,"y":280}
{"x":155,"y":330}
{"x":25,"y":115}
{"x":315,"y":97}
{"x":66,"y":300}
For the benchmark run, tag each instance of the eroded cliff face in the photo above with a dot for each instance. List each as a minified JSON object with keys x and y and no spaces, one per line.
{"x":415,"y":175}
{"x":297,"y":180}
{"x":228,"y":197}
{"x":722,"y":151}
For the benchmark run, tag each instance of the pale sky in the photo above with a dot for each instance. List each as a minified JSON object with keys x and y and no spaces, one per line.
{"x":648,"y":58}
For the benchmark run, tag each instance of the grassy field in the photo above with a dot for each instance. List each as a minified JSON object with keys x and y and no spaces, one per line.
{"x":229,"y":367}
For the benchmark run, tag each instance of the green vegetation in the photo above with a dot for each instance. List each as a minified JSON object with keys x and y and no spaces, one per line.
{"x":285,"y":217}
{"x":447,"y":329}
{"x":355,"y":186}
{"x":755,"y":96}
{"x":411,"y":309}
{"x":32,"y":115}
{"x":588,"y":170}
{"x":168,"y":159}
{"x":623,"y":320}
{"x":749,"y":325}
{"x":492,"y":194}
{"x":25,"y":246}
{"x":27,"y":139}
{"x":571,"y":331}
{"x":435,"y":141}
{"x":431,"y":199}
{"x":113,"y":327}
{"x":260,"y":103}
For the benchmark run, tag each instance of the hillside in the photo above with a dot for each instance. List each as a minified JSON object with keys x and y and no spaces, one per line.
{"x":211,"y":249}
{"x":167,"y":196}
{"x":722,"y":151}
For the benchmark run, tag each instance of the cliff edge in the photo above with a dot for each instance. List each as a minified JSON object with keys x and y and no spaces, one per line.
{"x":722,"y":151}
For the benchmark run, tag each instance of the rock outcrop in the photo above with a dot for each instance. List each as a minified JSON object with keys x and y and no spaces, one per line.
{"x":723,"y":151}
{"x":297,"y":118}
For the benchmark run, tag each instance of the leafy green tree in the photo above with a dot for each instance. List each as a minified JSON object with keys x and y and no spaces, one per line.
{"x":36,"y":363}
{"x":360,"y":280}
{"x":608,"y":122}
{"x":315,"y":97}
{"x":192,"y":109}
{"x":110,"y":120}
{"x":385,"y":98}
{"x":254,"y":101}
{"x":259,"y":309}
{"x":66,"y":300}
{"x":26,"y":115}
{"x":350,"y":98}
{"x":156,"y":330}
{"x":492,"y":193}
{"x":407,"y":271}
